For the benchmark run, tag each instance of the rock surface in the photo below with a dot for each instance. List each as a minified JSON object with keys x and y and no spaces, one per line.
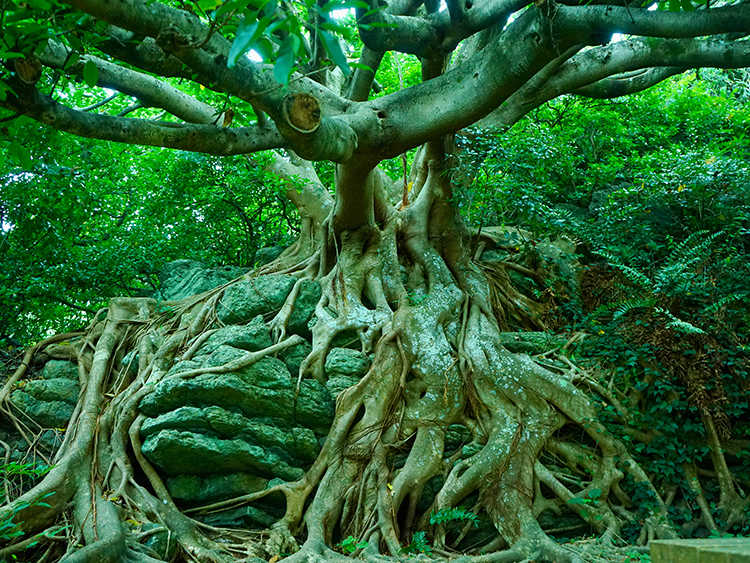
{"x":251,"y":337}
{"x":184,"y":278}
{"x":304,"y":308}
{"x":216,"y":436}
{"x":256,"y":296}
{"x":346,"y":362}
{"x":50,"y":401}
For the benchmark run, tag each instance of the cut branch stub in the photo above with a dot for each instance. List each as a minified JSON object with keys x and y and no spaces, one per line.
{"x":29,"y":69}
{"x":312,"y":135}
{"x":302,"y":112}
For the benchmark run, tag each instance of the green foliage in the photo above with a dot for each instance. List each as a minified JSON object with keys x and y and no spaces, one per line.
{"x":636,"y":557}
{"x":654,"y":192}
{"x":81,"y":226}
{"x":274,"y":31}
{"x":419,"y":544}
{"x":350,"y":545}
{"x":11,"y":472}
{"x":457,"y":514}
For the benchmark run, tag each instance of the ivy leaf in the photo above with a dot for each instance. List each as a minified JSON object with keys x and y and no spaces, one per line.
{"x":90,"y":73}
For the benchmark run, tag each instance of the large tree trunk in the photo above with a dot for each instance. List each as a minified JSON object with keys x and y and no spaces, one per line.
{"x":402,"y":278}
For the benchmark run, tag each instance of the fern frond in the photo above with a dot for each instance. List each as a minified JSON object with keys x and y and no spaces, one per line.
{"x":637,"y":278}
{"x":453,"y":514}
{"x":628,"y":306}
{"x":723,"y":302}
{"x":692,"y":249}
{"x":678,"y":324}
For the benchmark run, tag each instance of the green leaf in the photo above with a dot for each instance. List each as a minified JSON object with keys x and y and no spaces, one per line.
{"x":90,"y":73}
{"x":595,"y":494}
{"x":360,"y":66}
{"x":343,"y":5}
{"x":247,"y":34}
{"x":284,"y":66}
{"x":72,"y":60}
{"x":577,"y":500}
{"x":333,"y":48}
{"x":21,"y":154}
{"x":207,"y":5}
{"x":39,"y":4}
{"x":4,"y":89}
{"x":270,"y":8}
{"x":6,"y":55}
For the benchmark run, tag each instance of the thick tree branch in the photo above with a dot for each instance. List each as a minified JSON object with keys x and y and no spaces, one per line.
{"x":590,"y":72}
{"x":150,"y":91}
{"x":463,"y":95}
{"x":534,"y":39}
{"x":363,"y":79}
{"x":176,"y":33}
{"x":207,"y":139}
{"x":628,"y":83}
{"x":361,"y":84}
{"x":144,"y":54}
{"x":601,"y":21}
{"x":439,"y":33}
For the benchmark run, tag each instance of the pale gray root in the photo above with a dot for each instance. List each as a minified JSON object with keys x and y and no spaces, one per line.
{"x":404,"y":288}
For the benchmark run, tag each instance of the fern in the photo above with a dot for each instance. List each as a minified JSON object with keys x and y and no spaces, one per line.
{"x":419,"y":544}
{"x":678,"y":324}
{"x":637,"y":278}
{"x":677,"y":275}
{"x":628,"y":306}
{"x":453,"y":514}
{"x":634,"y":276}
{"x":723,"y":302}
{"x":687,"y":250}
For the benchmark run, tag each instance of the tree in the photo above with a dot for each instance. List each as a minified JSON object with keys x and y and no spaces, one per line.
{"x":394,"y":259}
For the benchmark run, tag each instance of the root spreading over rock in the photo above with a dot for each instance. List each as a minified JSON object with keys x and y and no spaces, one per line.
{"x":445,"y":429}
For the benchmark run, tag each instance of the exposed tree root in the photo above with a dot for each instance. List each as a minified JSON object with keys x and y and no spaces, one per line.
{"x":406,"y":289}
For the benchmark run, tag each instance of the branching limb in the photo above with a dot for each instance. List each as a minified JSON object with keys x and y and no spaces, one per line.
{"x":150,"y":91}
{"x":593,"y":72}
{"x":208,"y":139}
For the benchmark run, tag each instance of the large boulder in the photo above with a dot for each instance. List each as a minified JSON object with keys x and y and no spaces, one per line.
{"x":344,"y":367}
{"x":220,"y":435}
{"x":345,"y":361}
{"x":267,"y":254}
{"x":219,"y":487}
{"x":252,"y":297}
{"x":252,"y":337}
{"x":295,"y":355}
{"x":50,"y":400}
{"x":304,"y":308}
{"x":265,"y":390}
{"x":184,"y":278}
